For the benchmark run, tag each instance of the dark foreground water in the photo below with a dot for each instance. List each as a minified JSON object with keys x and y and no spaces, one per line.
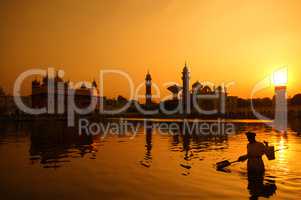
{"x":50,"y":161}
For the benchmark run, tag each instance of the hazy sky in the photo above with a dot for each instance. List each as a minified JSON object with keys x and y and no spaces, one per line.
{"x":222,"y":40}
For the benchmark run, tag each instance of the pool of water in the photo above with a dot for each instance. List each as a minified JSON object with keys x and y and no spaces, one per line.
{"x":51,"y":161}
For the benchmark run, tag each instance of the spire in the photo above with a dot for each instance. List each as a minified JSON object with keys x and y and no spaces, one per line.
{"x":186,"y":93}
{"x":148,"y":76}
{"x":185,"y":66}
{"x":94,"y":84}
{"x":148,"y":90}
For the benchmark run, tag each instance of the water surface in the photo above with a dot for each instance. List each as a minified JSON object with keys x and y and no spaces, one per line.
{"x":50,"y":161}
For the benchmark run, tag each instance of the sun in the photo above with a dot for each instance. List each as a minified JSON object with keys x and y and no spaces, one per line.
{"x":279,"y":77}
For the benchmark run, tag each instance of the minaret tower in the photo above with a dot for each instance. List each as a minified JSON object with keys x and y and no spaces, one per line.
{"x":186,"y":94}
{"x":148,"y":90}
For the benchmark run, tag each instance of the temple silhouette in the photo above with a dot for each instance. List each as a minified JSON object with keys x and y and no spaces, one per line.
{"x":61,"y":89}
{"x":199,"y":99}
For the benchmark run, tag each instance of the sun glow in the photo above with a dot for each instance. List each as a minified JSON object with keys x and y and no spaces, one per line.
{"x":279,"y":77}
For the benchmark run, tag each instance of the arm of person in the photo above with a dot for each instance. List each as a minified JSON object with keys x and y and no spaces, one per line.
{"x":243,"y":158}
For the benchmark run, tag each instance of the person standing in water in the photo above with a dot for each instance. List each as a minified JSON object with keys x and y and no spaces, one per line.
{"x":256,"y":186}
{"x":255,"y":151}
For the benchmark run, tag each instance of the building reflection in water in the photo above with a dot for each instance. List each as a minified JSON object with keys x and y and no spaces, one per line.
{"x":194,"y":143}
{"x":54,"y":145}
{"x":186,"y":163}
{"x":147,"y":161}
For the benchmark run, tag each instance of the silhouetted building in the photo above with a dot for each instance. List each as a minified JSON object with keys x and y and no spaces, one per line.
{"x":84,"y":95}
{"x":148,"y":90}
{"x":186,"y":94}
{"x":58,"y":89}
{"x":208,"y":99}
{"x":201,"y":98}
{"x":175,"y":89}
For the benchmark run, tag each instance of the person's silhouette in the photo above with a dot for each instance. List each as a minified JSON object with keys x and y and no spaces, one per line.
{"x":256,"y":169}
{"x":255,"y":151}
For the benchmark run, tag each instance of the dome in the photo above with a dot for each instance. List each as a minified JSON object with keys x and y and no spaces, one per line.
{"x":175,"y":89}
{"x":206,"y":90}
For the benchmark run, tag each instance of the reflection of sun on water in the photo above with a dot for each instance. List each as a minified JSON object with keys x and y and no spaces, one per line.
{"x":281,"y":147}
{"x":282,"y":155}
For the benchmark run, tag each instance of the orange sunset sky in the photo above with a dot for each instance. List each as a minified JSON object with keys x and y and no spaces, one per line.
{"x":222,"y":40}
